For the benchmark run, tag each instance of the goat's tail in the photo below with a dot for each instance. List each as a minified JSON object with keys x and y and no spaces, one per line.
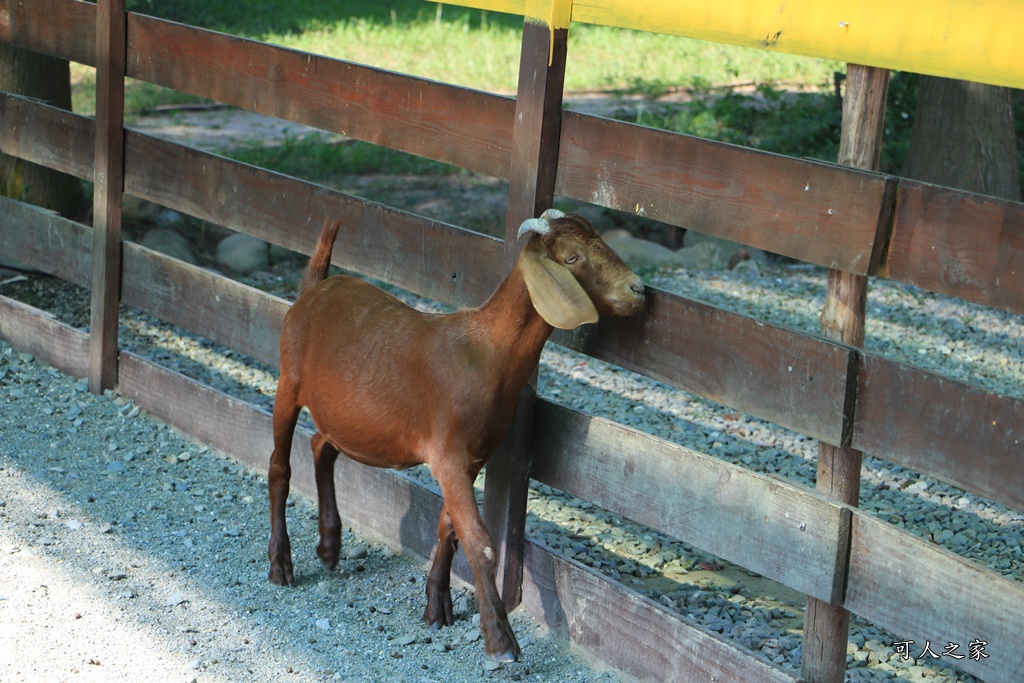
{"x":320,"y":261}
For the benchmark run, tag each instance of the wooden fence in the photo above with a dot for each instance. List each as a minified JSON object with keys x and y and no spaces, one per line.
{"x":857,"y":223}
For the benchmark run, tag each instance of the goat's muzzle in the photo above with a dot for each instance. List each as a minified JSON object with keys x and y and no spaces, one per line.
{"x":628,"y":298}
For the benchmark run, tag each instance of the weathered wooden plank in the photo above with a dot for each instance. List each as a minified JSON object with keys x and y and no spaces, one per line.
{"x":46,"y":241}
{"x":47,"y":135}
{"x":31,"y":330}
{"x":61,"y":28}
{"x":786,"y":533}
{"x":436,"y":260}
{"x":814,"y":212}
{"x":958,"y":243}
{"x":924,"y":593}
{"x":467,"y":128}
{"x":789,"y":378}
{"x":953,"y":431}
{"x":630,"y":632}
{"x":239,"y":317}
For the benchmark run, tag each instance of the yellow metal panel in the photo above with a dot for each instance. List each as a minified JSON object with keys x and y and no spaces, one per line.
{"x":978,"y":40}
{"x":553,"y":13}
{"x":506,"y":6}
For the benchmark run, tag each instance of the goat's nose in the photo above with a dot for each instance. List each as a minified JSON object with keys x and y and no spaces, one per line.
{"x":637,"y":286}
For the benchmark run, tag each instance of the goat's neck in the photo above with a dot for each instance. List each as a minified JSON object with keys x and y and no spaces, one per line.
{"x":513,"y":326}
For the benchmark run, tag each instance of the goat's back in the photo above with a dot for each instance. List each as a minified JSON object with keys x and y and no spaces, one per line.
{"x":379,"y":377}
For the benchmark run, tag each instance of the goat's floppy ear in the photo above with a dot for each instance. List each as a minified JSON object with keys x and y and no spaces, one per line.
{"x":555,"y":293}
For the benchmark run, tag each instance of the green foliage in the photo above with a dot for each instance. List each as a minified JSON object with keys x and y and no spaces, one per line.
{"x":799,"y":124}
{"x":795,"y":123}
{"x":899,"y":121}
{"x":320,"y":161}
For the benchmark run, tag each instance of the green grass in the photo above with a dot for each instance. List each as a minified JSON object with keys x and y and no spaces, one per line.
{"x":327,"y":163}
{"x":480,"y":49}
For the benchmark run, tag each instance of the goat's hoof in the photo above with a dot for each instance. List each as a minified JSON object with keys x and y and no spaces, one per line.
{"x":438,"y":623}
{"x":507,"y":656}
{"x":281,"y":576}
{"x":328,"y":557}
{"x":501,"y":644}
{"x":439,"y":611}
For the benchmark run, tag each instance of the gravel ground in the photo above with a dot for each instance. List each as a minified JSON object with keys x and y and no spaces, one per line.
{"x":92,"y":560}
{"x":130,"y":553}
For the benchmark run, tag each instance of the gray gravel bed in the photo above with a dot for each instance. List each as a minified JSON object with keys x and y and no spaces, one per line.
{"x":939,"y":333}
{"x":130,"y":553}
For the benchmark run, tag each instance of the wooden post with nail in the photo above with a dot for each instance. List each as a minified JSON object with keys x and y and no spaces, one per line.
{"x":826,"y":625}
{"x":108,"y":176}
{"x":534,"y":161}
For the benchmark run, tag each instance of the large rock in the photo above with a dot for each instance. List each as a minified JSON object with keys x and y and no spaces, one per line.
{"x":734,"y":253}
{"x":639,"y":253}
{"x":243,"y":254}
{"x":169,"y":242}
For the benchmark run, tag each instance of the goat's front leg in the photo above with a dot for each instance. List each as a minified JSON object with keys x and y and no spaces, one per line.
{"x":457,"y":489}
{"x":439,"y":594}
{"x":324,"y":457}
{"x":286,"y":413}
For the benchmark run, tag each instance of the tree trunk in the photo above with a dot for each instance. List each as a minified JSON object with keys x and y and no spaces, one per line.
{"x":964,"y":138}
{"x":47,"y":79}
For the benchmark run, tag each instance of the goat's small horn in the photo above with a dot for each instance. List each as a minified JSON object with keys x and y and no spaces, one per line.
{"x":552,"y":214}
{"x":537,"y":225}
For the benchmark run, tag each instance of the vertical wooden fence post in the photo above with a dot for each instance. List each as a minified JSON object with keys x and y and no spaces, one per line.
{"x":531,"y":191}
{"x":826,"y":626}
{"x":109,"y":182}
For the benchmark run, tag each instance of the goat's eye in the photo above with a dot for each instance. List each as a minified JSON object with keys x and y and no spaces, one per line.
{"x":572,"y":259}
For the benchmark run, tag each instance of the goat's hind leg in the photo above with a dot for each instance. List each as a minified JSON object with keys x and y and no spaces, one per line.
{"x":325,"y":455}
{"x":286,"y":414}
{"x":439,"y":611}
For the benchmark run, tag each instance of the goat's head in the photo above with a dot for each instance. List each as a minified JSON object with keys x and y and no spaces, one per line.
{"x":572,"y":275}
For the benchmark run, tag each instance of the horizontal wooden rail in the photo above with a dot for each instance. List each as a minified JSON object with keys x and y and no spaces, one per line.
{"x":62,"y":28}
{"x":241,"y":318}
{"x":966,"y":245}
{"x":50,"y":341}
{"x":47,"y":136}
{"x":818,"y":213}
{"x":45,"y":241}
{"x":640,"y":637}
{"x":974,"y":40}
{"x":950,"y":430}
{"x":452,"y":265}
{"x":773,"y":527}
{"x":924,"y":593}
{"x":463,"y":127}
{"x":790,"y":378}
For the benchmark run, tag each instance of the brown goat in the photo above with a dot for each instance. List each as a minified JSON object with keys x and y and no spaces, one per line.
{"x":391,"y":386}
